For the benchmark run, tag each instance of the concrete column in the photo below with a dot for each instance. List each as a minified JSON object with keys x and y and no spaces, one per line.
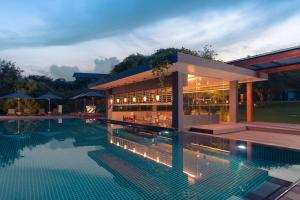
{"x":249,"y":111}
{"x":109,"y":105}
{"x":233,"y":101}
{"x":178,"y":80}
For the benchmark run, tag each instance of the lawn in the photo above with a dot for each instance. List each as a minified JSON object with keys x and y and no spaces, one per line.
{"x":285,"y":112}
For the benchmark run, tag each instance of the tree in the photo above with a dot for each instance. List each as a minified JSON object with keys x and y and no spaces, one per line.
{"x":208,"y":52}
{"x":161,"y":60}
{"x":10,"y":75}
{"x":130,"y":61}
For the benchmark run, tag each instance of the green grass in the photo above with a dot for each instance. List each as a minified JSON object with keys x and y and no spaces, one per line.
{"x":285,"y":112}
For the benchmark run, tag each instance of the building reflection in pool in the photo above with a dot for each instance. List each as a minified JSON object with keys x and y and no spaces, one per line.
{"x":191,"y":163}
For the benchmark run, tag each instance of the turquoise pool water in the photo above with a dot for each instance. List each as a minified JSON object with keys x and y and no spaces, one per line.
{"x":77,"y":159}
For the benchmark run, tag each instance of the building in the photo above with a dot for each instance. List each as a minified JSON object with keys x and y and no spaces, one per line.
{"x":271,"y":62}
{"x":196,"y":91}
{"x":88,"y":77}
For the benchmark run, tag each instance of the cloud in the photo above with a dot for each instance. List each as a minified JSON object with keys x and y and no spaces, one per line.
{"x":77,"y":37}
{"x":101,"y":65}
{"x":104,"y":65}
{"x":65,"y":72}
{"x":64,"y":22}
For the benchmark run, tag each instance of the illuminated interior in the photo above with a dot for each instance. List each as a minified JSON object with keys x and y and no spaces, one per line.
{"x":207,"y":97}
{"x":150,"y":107}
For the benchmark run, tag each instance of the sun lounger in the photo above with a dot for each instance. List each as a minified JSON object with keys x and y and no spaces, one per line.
{"x":11,"y":112}
{"x":90,"y":109}
{"x":27,"y":111}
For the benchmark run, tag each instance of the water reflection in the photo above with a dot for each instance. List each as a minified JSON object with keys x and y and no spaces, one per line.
{"x":195,"y":165}
{"x":17,"y":135}
{"x":157,"y":165}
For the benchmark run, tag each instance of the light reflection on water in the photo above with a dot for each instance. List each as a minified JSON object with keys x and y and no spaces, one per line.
{"x":80,"y":159}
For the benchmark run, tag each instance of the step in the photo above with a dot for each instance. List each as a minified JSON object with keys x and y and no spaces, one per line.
{"x":269,"y":190}
{"x":218,"y":129}
{"x":274,"y":129}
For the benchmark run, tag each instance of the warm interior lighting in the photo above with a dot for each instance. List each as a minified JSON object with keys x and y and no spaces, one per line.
{"x":145,"y":154}
{"x":157,"y":97}
{"x":111,"y":101}
{"x":243,"y":147}
{"x":111,"y":141}
{"x":125,"y":100}
{"x":118,"y":144}
{"x":133,"y":150}
{"x":125,"y":146}
{"x":145,"y":98}
{"x":191,"y":77}
{"x":157,"y":159}
{"x":118,"y":100}
{"x":134,"y":99}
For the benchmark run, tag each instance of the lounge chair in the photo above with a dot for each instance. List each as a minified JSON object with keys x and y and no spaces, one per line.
{"x":90,"y":109}
{"x":11,"y":112}
{"x":42,"y":112}
{"x":27,"y":111}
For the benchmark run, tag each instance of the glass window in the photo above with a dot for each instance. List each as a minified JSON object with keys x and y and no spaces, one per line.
{"x":207,"y":97}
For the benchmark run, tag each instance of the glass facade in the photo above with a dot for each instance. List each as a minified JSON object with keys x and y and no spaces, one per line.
{"x":150,"y":107}
{"x":206,"y":97}
{"x":161,"y":96}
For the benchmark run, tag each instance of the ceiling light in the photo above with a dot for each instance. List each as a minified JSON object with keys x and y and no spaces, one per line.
{"x":157,"y":97}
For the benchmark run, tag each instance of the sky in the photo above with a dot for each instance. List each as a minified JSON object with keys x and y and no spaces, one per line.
{"x":58,"y":37}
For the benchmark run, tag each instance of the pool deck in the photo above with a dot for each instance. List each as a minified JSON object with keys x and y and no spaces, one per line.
{"x":274,"y":139}
{"x":292,"y":193}
{"x":275,"y":134}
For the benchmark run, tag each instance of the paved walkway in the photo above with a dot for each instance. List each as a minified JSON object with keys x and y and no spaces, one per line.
{"x":276,"y":134}
{"x":274,"y":139}
{"x":292,"y":194}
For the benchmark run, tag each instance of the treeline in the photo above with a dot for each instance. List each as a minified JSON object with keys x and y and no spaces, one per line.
{"x":277,"y":88}
{"x":12,"y":80}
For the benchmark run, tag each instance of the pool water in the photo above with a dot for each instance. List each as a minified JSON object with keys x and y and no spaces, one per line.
{"x":78,"y":159}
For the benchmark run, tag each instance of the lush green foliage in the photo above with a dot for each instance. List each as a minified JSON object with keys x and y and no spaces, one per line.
{"x":282,"y":112}
{"x":30,"y":104}
{"x":130,"y":61}
{"x":10,"y":75}
{"x":12,"y":80}
{"x":160,"y":60}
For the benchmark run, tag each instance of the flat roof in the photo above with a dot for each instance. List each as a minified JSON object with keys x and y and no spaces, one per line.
{"x":184,"y":63}
{"x":88,"y":75}
{"x":274,"y":61}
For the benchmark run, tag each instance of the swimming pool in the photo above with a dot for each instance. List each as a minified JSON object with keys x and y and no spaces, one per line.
{"x":77,"y":159}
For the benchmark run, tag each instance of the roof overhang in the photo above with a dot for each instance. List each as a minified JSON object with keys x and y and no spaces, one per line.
{"x":187,"y":64}
{"x":272,"y":62}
